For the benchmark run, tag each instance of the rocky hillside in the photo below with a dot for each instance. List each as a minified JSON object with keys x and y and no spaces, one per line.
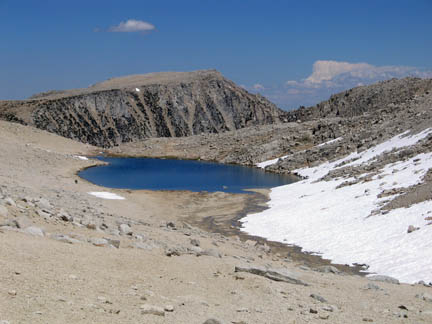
{"x":364,"y":99}
{"x":171,"y":104}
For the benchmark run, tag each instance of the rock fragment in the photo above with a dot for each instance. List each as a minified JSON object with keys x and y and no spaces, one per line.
{"x":195,"y":242}
{"x":328,"y":269}
{"x":425,"y":296}
{"x":33,"y":230}
{"x":412,"y":228}
{"x":152,"y":310}
{"x":64,"y":238}
{"x":272,"y":274}
{"x":125,"y":229}
{"x":213,"y":321}
{"x":318,"y":298}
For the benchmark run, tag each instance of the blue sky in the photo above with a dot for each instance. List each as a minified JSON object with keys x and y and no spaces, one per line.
{"x":258,"y":44}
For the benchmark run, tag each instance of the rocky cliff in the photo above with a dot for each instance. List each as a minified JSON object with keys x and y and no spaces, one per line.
{"x":171,"y":104}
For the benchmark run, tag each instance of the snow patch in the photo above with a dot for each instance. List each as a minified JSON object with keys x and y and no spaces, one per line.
{"x":337,"y":222}
{"x":329,"y":142}
{"x":106,"y":195}
{"x":270,"y":162}
{"x":137,"y":90}
{"x":81,"y":157}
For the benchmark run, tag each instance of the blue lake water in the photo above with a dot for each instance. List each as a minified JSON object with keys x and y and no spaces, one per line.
{"x":167,"y":174}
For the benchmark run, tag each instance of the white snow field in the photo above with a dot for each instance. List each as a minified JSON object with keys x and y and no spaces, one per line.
{"x":106,"y":195}
{"x":337,"y":223}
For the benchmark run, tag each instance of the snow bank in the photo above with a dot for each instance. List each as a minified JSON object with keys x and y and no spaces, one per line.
{"x":337,"y":223}
{"x":81,"y":157}
{"x":106,"y":195}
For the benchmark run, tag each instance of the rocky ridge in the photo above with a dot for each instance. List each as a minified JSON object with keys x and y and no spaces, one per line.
{"x":171,"y":104}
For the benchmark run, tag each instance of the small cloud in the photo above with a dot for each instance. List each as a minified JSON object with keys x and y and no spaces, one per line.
{"x":258,"y":86}
{"x":131,"y":26}
{"x":291,"y":83}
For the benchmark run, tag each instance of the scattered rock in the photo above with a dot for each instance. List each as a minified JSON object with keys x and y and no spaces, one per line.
{"x":328,"y":269}
{"x":213,"y":321}
{"x":92,"y":226}
{"x":425,"y":296}
{"x":412,"y":228}
{"x":113,"y":242}
{"x":195,"y":242}
{"x":329,"y":308}
{"x":62,"y":215}
{"x":324,"y":316}
{"x":100,"y":242}
{"x":64,"y":238}
{"x":383,"y":278}
{"x":313,"y":311}
{"x":211,"y":252}
{"x":152,"y":310}
{"x":172,"y":252}
{"x":125,"y":229}
{"x":171,"y":225}
{"x":319,"y":298}
{"x":169,"y":308}
{"x":33,"y":230}
{"x":12,"y":292}
{"x":372,"y":286}
{"x":43,"y":214}
{"x":272,"y":274}
{"x":43,"y":204}
{"x":9,"y":201}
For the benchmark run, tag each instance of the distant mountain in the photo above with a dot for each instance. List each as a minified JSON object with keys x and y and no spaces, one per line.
{"x":125,"y":109}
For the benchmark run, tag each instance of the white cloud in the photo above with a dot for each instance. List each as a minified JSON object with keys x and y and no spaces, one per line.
{"x":132,"y":25}
{"x":330,"y":77}
{"x":327,"y":70}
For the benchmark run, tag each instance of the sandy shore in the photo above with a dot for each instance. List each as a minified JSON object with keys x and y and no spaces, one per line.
{"x":179,"y":254}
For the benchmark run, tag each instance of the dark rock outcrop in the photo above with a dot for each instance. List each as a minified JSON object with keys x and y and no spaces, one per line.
{"x":172,"y":104}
